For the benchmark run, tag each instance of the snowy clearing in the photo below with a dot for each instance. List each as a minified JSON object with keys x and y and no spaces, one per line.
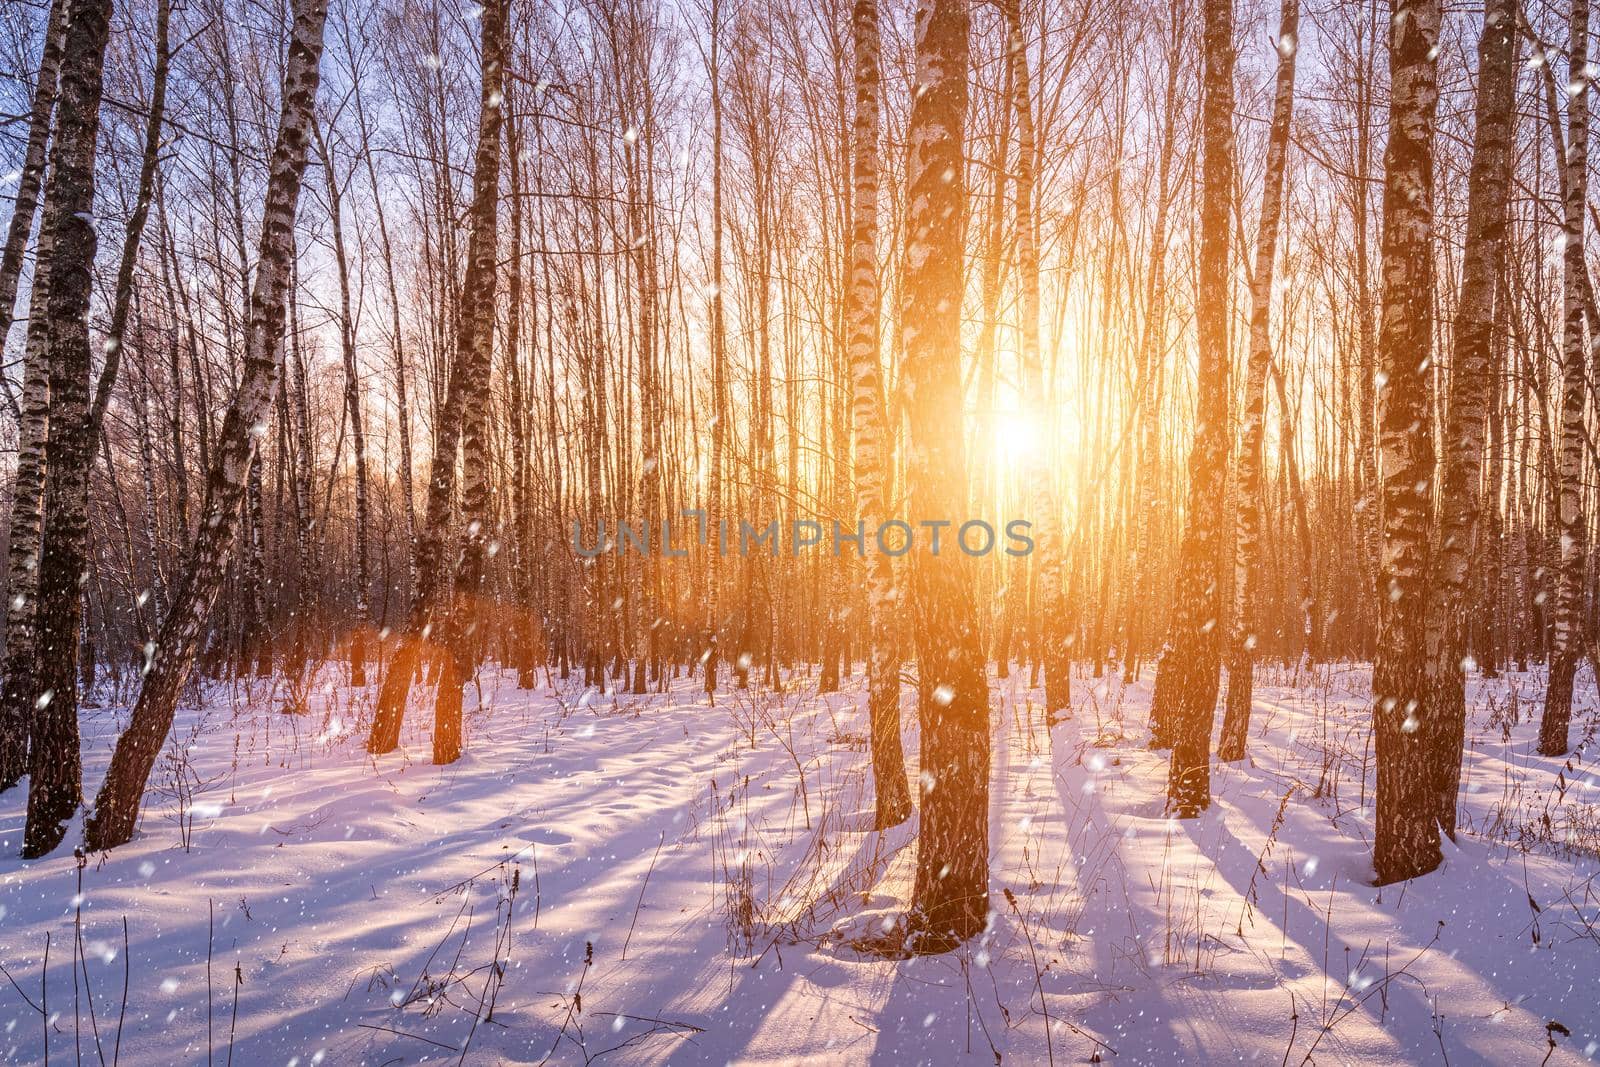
{"x":671,"y":882}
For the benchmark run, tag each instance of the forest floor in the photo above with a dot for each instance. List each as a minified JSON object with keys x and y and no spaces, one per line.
{"x":673,"y":882}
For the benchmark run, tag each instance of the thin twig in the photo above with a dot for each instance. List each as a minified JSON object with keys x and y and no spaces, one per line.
{"x":211,"y":925}
{"x":122,"y":1013}
{"x":640,"y":902}
{"x":18,"y":988}
{"x":233,"y":1024}
{"x":403,"y":1033}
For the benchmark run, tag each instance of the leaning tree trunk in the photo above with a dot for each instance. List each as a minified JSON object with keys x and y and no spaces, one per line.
{"x":55,"y":774}
{"x":1473,"y":372}
{"x":871,"y":428}
{"x":117,"y":806}
{"x":1247,"y":538}
{"x":950,"y":898}
{"x":1571,"y":522}
{"x":1407,"y":836}
{"x":1192,"y":662}
{"x":1048,"y":560}
{"x":33,"y":418}
{"x":473,"y":366}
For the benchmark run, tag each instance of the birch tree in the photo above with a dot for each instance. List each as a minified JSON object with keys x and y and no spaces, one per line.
{"x":950,"y":897}
{"x":1571,"y":522}
{"x":471,"y":375}
{"x":1407,"y":839}
{"x":470,"y":358}
{"x":1050,"y":609}
{"x":54,"y":770}
{"x":20,"y":692}
{"x":1474,"y":366}
{"x":33,"y":414}
{"x":870,"y":426}
{"x":25,"y":201}
{"x":1190,"y":667}
{"x":719,"y":363}
{"x":116,"y":807}
{"x":353,"y":412}
{"x":1247,"y":537}
{"x":122,"y":298}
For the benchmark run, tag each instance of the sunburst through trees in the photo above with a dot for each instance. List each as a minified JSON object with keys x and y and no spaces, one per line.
{"x":953,"y":364}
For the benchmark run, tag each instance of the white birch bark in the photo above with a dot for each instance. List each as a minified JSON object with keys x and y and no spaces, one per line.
{"x":1571,"y":523}
{"x":117,"y":805}
{"x":871,"y":428}
{"x":1048,"y":554}
{"x":1472,"y":383}
{"x":1407,"y":837}
{"x":1247,"y":537}
{"x":33,"y":415}
{"x":54,"y":769}
{"x":951,"y":889}
{"x":1189,"y":675}
{"x":472,"y":375}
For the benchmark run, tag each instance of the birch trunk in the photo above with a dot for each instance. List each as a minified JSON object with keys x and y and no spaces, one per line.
{"x":1407,"y":837}
{"x":1472,"y":382}
{"x":1148,"y":389}
{"x":1369,"y":506}
{"x":33,"y":418}
{"x":1046,"y":515}
{"x":122,"y":301}
{"x":1310,"y":612}
{"x":1192,"y":663}
{"x":523,"y":628}
{"x":432,"y":578}
{"x":871,"y":429}
{"x":25,"y":205}
{"x":352,"y":403}
{"x":117,"y":806}
{"x":950,"y":898}
{"x":472,"y":376}
{"x":402,"y":403}
{"x":55,"y":774}
{"x":257,"y":646}
{"x":1571,"y":523}
{"x":22,"y":559}
{"x":296,"y":412}
{"x":719,"y":369}
{"x":1247,"y":537}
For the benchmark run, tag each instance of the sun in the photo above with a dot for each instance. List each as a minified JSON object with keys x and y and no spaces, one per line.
{"x":1016,"y":436}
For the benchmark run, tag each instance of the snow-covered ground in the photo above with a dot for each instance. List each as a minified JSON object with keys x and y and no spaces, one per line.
{"x":663,"y":881}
